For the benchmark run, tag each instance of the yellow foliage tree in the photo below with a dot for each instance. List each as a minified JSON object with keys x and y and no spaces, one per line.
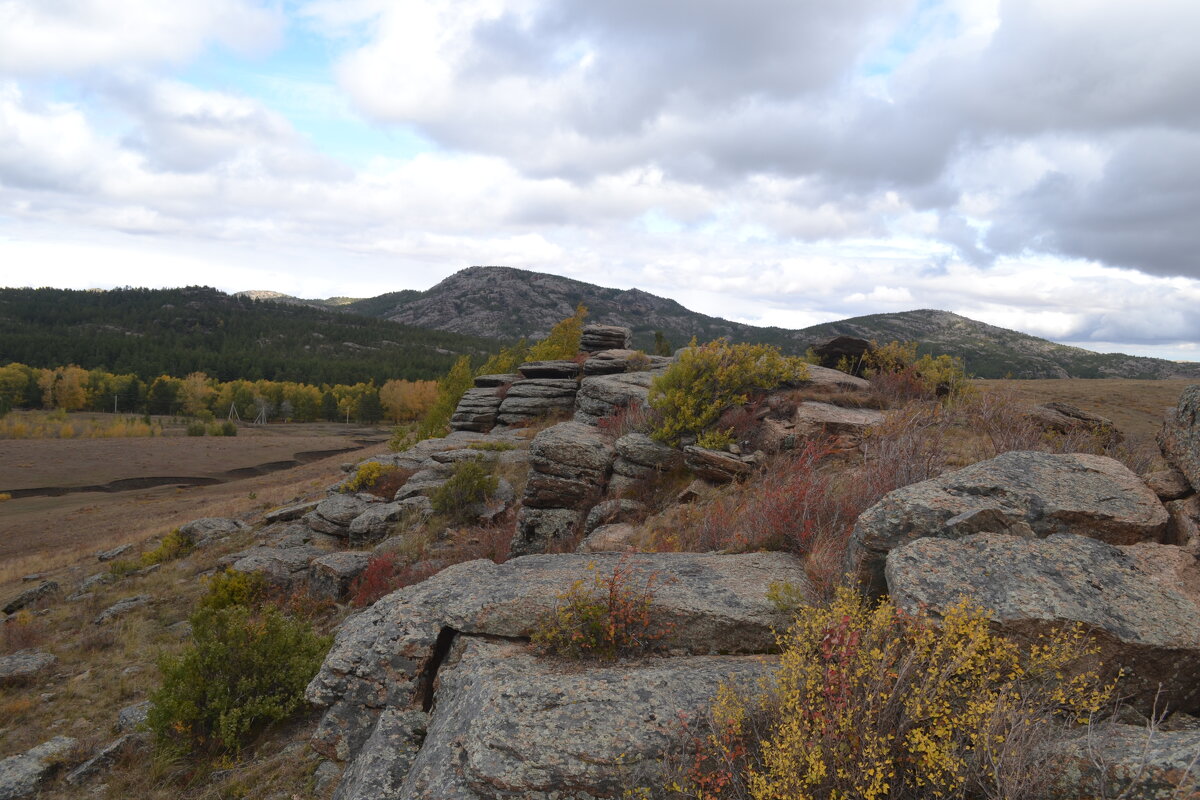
{"x":404,"y":400}
{"x":562,"y":343}
{"x":196,"y":392}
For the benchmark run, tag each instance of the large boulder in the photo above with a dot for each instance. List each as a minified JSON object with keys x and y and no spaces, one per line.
{"x":330,"y":576}
{"x":835,"y":379}
{"x":568,"y":471}
{"x":1140,"y":603}
{"x":1179,"y":438}
{"x":842,"y":350}
{"x":334,"y":514}
{"x":20,"y":775}
{"x":1031,"y":493}
{"x":595,"y":338}
{"x":24,"y":665}
{"x":387,"y":655}
{"x":282,"y":567}
{"x":508,"y":724}
{"x":817,"y":419}
{"x":201,"y":532}
{"x":1127,"y":761}
{"x":477,"y":410}
{"x":605,"y":395}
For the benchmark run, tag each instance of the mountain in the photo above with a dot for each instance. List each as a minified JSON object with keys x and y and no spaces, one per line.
{"x":150,"y":332}
{"x":508,"y":303}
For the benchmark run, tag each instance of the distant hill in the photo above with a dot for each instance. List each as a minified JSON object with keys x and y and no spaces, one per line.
{"x":508,"y":303}
{"x":150,"y":332}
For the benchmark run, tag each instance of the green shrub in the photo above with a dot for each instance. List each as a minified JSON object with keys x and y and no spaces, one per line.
{"x":174,"y":545}
{"x":451,"y":388}
{"x":367,"y":476}
{"x":873,"y":703}
{"x":492,"y":447}
{"x":471,"y":483}
{"x":709,"y":378}
{"x":233,"y":588}
{"x":195,"y":429}
{"x":715,"y":439}
{"x":896,"y":371}
{"x":562,"y":343}
{"x":610,"y":616}
{"x":229,"y":428}
{"x":506,"y":361}
{"x":244,"y":670}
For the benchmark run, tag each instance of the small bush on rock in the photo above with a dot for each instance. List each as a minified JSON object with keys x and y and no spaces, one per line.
{"x":367,"y":476}
{"x":471,"y":484}
{"x":244,"y":670}
{"x":609,"y":616}
{"x":897,"y":374}
{"x":707,"y":379}
{"x":871,"y":703}
{"x":174,"y":545}
{"x":233,"y":588}
{"x":562,"y":343}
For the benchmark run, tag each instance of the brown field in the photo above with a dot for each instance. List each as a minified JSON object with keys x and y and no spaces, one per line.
{"x":1135,"y":407}
{"x":55,"y":522}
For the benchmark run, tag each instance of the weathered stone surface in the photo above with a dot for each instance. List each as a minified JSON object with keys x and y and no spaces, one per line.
{"x":281,"y":566}
{"x":641,"y":449}
{"x":549,"y":369}
{"x":131,"y":718}
{"x":386,"y":757}
{"x":104,"y":759}
{"x":611,"y":511}
{"x":376,"y":522}
{"x":330,"y":576}
{"x":595,"y":338}
{"x":1076,"y":493}
{"x":1126,"y":761}
{"x":616,"y":537}
{"x":21,"y":774}
{"x":508,"y":724}
{"x":1168,"y":484}
{"x":544,"y":388}
{"x":1141,"y":602}
{"x":200,"y":532}
{"x":493,"y":381}
{"x":539,"y":528}
{"x":116,"y":552}
{"x":605,"y":395}
{"x":611,"y":362}
{"x":30,"y":596}
{"x":1183,"y":529}
{"x":712,"y":604}
{"x":337,"y":512}
{"x":24,"y":665}
{"x":121,"y":608}
{"x":715,"y":465}
{"x":813,"y":418}
{"x":823,"y":376}
{"x":1067,"y":418}
{"x":289,"y":513}
{"x":1179,"y":437}
{"x":573,"y":445}
{"x":477,"y":409}
{"x":516,"y":410}
{"x":423,"y":486}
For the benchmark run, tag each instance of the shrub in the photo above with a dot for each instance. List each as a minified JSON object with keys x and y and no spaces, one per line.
{"x":716,"y":439}
{"x":243,"y":670}
{"x":367,"y":476}
{"x":450,"y":389}
{"x":233,"y":588}
{"x":707,"y":379}
{"x":610,"y":616}
{"x":632,"y":418}
{"x":562,"y":343}
{"x":471,"y":483}
{"x":897,"y":373}
{"x":196,"y":429}
{"x":385,"y":574}
{"x":871,"y":702}
{"x":506,"y":361}
{"x":5,"y":497}
{"x":492,"y":447}
{"x":174,"y":545}
{"x":229,"y":428}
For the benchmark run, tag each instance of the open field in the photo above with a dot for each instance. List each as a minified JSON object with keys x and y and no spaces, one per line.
{"x":205,"y":476}
{"x":1136,"y":407}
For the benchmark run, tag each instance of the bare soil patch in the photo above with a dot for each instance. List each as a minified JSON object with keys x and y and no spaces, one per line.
{"x":1135,"y":407}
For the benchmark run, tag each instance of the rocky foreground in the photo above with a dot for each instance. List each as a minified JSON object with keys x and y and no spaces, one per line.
{"x":434,"y":691}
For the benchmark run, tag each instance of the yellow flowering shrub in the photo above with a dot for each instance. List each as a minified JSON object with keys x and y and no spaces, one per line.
{"x":709,"y":378}
{"x":871,"y":703}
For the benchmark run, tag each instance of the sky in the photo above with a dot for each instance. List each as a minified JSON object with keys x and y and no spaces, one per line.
{"x":1031,"y":164}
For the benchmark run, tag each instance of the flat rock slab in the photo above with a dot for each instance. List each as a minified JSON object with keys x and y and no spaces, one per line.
{"x":824,"y":376}
{"x":289,"y":513}
{"x":24,"y":665}
{"x":200,"y":532}
{"x":30,"y":596}
{"x":710,"y":603}
{"x":1180,"y":435}
{"x":21,"y":774}
{"x":1036,"y":494}
{"x":1141,"y":603}
{"x":510,"y":724}
{"x":815,"y":418}
{"x":121,"y":608}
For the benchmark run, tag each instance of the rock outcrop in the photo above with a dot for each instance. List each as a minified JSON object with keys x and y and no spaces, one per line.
{"x":388,"y":655}
{"x":568,"y":469}
{"x":603,"y":396}
{"x":24,"y":665}
{"x":1030,"y":493}
{"x":1127,"y":761}
{"x":20,"y":775}
{"x":1179,"y":438}
{"x":1140,"y":603}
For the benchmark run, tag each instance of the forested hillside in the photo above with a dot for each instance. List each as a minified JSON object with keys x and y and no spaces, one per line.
{"x":150,"y":332}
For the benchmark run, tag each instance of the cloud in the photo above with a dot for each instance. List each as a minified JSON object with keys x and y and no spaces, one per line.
{"x":71,"y":37}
